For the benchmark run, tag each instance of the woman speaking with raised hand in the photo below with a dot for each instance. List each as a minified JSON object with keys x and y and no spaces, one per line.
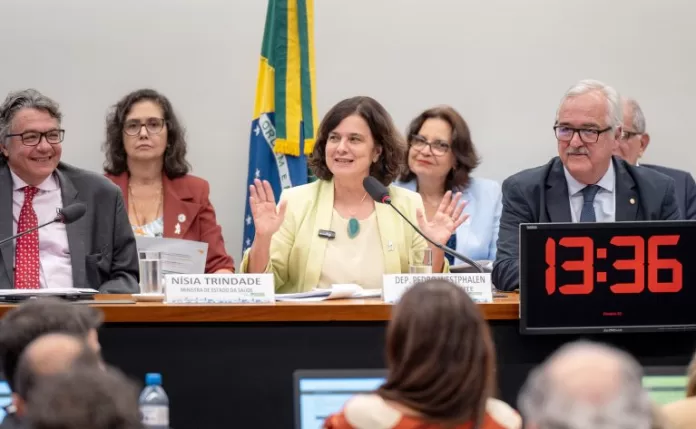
{"x":330,"y":231}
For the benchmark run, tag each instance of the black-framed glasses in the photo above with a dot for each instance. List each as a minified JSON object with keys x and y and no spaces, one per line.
{"x":152,"y":125}
{"x":587,"y":135}
{"x":437,"y":147}
{"x":627,"y":135}
{"x":33,"y":138}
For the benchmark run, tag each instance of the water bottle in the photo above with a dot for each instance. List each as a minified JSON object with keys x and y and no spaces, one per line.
{"x":154,"y":403}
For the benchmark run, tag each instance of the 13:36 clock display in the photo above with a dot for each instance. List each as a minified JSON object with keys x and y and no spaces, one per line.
{"x":608,"y":277}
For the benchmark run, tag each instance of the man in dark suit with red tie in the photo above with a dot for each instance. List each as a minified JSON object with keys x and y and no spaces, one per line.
{"x":96,"y":251}
{"x":632,"y":145}
{"x":585,"y":183}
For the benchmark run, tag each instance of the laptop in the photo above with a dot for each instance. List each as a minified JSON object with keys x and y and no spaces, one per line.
{"x":665,"y":384}
{"x":5,"y":398}
{"x":320,"y":393}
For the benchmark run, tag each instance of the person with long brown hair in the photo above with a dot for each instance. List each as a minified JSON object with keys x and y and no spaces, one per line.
{"x":146,"y":157}
{"x":441,"y":380}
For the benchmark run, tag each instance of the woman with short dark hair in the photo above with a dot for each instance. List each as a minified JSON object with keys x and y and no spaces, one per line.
{"x":441,"y":157}
{"x":440,"y":362}
{"x":146,"y":157}
{"x":330,"y":231}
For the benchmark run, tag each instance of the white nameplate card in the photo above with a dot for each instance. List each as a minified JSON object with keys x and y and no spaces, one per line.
{"x":477,"y":285}
{"x":219,"y":288}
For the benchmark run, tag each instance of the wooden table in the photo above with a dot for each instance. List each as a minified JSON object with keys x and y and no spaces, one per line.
{"x":234,"y":363}
{"x":371,"y":310}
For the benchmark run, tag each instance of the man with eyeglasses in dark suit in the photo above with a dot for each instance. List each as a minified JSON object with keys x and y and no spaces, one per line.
{"x":632,"y":145}
{"x":97,"y":250}
{"x":585,"y":183}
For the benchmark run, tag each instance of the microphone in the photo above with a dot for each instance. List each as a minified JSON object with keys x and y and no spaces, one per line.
{"x":380,"y":193}
{"x":65,"y":216}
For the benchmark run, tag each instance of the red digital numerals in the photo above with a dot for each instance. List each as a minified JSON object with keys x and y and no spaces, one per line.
{"x":635,"y":265}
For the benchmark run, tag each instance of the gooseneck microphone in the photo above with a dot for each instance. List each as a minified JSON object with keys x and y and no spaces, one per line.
{"x":380,"y":194}
{"x":65,"y":216}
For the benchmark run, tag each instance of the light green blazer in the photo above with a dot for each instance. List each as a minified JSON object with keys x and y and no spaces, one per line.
{"x":297,"y":251}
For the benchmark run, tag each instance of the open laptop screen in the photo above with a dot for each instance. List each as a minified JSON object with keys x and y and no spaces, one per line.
{"x":318,"y":394}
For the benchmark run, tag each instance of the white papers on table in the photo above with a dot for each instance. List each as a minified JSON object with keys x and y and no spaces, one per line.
{"x":337,"y":291}
{"x":56,"y":291}
{"x":178,"y":256}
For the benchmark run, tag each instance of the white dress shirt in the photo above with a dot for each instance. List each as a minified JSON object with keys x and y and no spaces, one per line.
{"x":54,"y":252}
{"x":604,"y":202}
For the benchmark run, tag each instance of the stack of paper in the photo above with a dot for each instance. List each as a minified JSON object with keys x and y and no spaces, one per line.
{"x":338,"y":291}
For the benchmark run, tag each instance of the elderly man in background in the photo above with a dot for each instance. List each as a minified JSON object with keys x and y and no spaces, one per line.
{"x":96,"y":251}
{"x":585,"y":183}
{"x":632,"y":145}
{"x":587,"y":386}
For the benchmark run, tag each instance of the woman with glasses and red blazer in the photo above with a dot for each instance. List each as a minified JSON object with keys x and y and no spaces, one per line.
{"x":146,"y":157}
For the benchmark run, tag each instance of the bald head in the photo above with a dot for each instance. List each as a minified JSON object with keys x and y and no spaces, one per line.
{"x":589,"y":386}
{"x":52,"y":354}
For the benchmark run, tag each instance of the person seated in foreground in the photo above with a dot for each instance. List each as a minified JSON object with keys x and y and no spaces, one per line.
{"x":146,"y":157}
{"x":27,"y":322}
{"x":440,"y":158}
{"x":48,"y":355}
{"x":440,"y":361}
{"x":331,"y":231}
{"x":682,"y":414}
{"x":585,"y":183}
{"x":91,"y":398}
{"x":587,"y":385}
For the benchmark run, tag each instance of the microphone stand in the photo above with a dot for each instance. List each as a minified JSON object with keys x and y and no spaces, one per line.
{"x":13,"y":237}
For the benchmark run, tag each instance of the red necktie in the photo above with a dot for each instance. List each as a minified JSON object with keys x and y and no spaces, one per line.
{"x":27,"y":250}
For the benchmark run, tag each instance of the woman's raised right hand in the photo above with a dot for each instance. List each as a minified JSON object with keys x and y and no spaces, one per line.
{"x":267,"y":217}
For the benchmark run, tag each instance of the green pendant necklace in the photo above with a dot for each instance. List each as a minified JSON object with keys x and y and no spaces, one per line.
{"x":353,"y":224}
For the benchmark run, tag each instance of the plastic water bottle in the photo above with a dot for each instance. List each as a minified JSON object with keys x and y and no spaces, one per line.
{"x":154,"y":403}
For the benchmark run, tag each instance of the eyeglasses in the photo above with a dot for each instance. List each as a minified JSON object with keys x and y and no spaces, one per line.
{"x":438,"y":147}
{"x":153,"y":126}
{"x":565,"y":134}
{"x":627,"y":135}
{"x":33,"y":138}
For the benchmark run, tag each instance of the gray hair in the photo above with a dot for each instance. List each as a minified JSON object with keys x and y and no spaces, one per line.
{"x":544,"y":402}
{"x":27,"y":98}
{"x":615,"y":112}
{"x":638,"y":120}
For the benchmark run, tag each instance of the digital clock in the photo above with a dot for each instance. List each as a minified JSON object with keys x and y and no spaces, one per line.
{"x":607,"y":277}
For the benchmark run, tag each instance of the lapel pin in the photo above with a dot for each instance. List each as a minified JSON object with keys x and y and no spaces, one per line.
{"x":177,"y":229}
{"x":632,"y":201}
{"x":390,"y":246}
{"x":181,"y":217}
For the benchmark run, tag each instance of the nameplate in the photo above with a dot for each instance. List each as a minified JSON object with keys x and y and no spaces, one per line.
{"x":478,"y":286}
{"x":219,"y":288}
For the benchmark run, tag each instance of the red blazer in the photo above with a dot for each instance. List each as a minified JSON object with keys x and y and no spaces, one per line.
{"x":189,"y":196}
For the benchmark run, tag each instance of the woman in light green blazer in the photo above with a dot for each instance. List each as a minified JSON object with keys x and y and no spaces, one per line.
{"x":330,"y":231}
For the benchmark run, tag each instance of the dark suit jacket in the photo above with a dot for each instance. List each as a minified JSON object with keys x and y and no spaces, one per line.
{"x":540,"y":195}
{"x":101,"y":243}
{"x":685,"y":189}
{"x":189,"y":195}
